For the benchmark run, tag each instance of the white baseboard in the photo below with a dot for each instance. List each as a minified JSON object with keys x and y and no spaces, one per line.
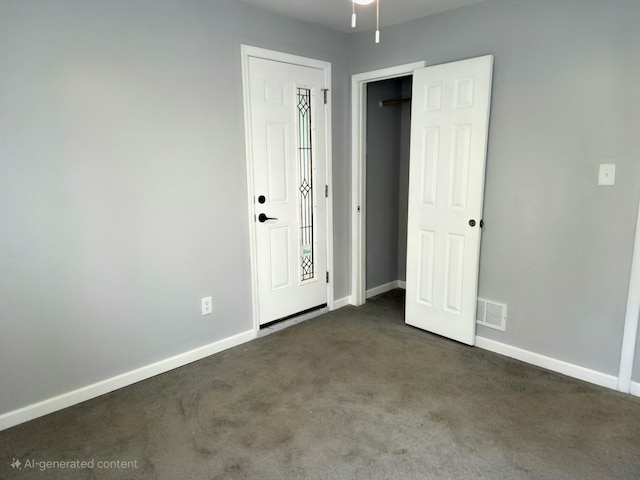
{"x":387,"y":287}
{"x":74,"y":397}
{"x":402,"y":284}
{"x":342,"y":302}
{"x":569,"y":369}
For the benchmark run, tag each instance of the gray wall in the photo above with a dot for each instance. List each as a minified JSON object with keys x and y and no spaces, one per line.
{"x":556,"y":247}
{"x":123,"y":182}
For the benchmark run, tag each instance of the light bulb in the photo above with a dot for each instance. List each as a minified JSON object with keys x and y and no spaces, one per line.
{"x":364,"y":2}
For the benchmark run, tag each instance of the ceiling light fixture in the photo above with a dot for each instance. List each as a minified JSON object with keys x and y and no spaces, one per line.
{"x":366,"y":2}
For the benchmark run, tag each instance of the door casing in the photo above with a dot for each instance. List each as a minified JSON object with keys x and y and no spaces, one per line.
{"x":248,"y":51}
{"x":629,"y":339}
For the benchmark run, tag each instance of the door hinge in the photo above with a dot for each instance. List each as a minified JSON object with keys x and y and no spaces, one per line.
{"x":326,"y":191}
{"x":327,"y":277}
{"x":325,"y":91}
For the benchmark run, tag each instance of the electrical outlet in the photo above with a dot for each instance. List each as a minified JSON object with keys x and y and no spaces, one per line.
{"x":207,"y":306}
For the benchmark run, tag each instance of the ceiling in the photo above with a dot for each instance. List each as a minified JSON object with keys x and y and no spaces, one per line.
{"x":336,"y":14}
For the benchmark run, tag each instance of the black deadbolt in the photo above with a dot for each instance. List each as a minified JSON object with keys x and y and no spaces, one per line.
{"x":472,"y":223}
{"x":262,"y":199}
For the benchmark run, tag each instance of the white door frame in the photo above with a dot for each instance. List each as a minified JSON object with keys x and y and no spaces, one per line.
{"x":250,"y":51}
{"x":359,"y":170}
{"x":628,"y":350}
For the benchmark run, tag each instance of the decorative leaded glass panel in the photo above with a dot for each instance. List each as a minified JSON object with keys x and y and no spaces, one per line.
{"x":305,"y":158}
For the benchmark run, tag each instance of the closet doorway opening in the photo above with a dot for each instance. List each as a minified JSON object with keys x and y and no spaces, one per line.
{"x":381,"y":126}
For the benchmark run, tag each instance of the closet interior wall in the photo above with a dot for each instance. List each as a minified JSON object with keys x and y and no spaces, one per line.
{"x":387,"y":180}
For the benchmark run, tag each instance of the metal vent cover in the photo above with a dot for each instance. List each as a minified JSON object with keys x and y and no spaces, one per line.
{"x":491,"y":314}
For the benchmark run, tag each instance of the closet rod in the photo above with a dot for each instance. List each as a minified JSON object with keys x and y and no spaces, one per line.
{"x":395,"y":102}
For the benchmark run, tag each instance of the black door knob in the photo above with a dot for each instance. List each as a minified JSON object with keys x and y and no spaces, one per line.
{"x":263,"y":218}
{"x":472,"y":223}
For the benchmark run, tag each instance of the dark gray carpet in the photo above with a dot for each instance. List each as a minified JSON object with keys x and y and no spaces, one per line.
{"x":354,"y":394}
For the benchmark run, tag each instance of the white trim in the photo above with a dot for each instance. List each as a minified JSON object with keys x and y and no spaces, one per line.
{"x":329,"y":179}
{"x":635,"y":389}
{"x":247,"y":51}
{"x":565,"y":368}
{"x":629,"y":336}
{"x":358,"y":169}
{"x":251,"y":51}
{"x":387,"y":287}
{"x":341,"y":302}
{"x":88,"y":392}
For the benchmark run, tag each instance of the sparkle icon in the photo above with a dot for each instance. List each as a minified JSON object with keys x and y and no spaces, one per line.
{"x":16,"y":464}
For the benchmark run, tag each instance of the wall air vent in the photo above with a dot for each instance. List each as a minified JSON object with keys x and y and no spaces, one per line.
{"x":491,"y":314}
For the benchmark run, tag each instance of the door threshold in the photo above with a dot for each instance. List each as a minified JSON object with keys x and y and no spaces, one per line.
{"x":284,"y":322}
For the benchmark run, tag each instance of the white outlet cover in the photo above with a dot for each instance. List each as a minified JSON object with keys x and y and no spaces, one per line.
{"x":207,"y":306}
{"x":607,"y":175}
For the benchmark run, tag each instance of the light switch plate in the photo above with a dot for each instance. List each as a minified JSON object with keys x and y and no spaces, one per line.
{"x":607,"y":175}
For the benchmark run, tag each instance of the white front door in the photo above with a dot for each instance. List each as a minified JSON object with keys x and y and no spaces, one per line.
{"x":288,"y":151}
{"x":449,"y":127}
